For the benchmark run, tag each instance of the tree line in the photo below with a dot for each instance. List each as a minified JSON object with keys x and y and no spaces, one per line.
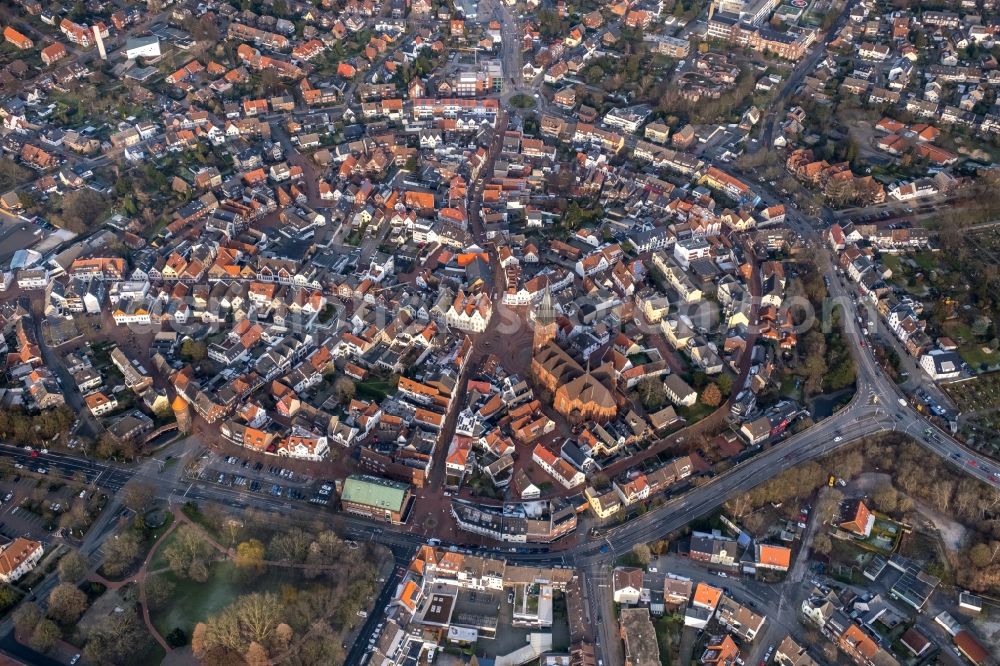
{"x":20,"y":427}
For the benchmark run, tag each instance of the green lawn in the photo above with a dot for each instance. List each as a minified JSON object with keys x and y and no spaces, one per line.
{"x":194,"y":514}
{"x":374,"y":389}
{"x":893,"y":263}
{"x":968,"y":347}
{"x":193,"y":602}
{"x":843,"y":556}
{"x":668,"y":635}
{"x":926,"y":260}
{"x":640,"y":358}
{"x":522,"y":101}
{"x":156,"y":534}
{"x":791,"y":386}
{"x":958,"y":331}
{"x":695,"y":412}
{"x":159,"y":561}
{"x":975,"y":356}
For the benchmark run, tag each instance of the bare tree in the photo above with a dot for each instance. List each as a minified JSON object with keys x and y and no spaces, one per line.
{"x":256,"y":655}
{"x":232,"y":528}
{"x":822,"y":543}
{"x":116,"y":638}
{"x":73,"y":566}
{"x":159,"y":589}
{"x":828,"y":504}
{"x":291,"y":545}
{"x":188,"y":554}
{"x":250,"y":557}
{"x":739,"y":505}
{"x":67,"y":603}
{"x":251,"y":618}
{"x":138,"y":495}
{"x":44,"y":636}
{"x":344,"y":389}
{"x":941,"y":494}
{"x":643,"y":554}
{"x":119,"y":552}
{"x":26,"y":617}
{"x":885,"y":498}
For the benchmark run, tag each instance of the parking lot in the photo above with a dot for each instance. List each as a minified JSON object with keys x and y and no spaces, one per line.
{"x":31,"y":505}
{"x":266,"y":476}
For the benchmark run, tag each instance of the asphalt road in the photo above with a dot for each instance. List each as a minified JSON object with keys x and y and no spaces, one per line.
{"x":799,"y":73}
{"x":99,"y":474}
{"x":863,"y":417}
{"x":358,"y":651}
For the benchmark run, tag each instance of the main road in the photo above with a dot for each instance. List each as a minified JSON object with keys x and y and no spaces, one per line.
{"x":875,"y":409}
{"x":795,"y":79}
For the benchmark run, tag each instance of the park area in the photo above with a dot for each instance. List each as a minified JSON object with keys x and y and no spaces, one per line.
{"x":302,"y":588}
{"x":208,"y":586}
{"x":193,"y":601}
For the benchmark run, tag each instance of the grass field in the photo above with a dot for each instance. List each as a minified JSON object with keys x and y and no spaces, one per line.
{"x":847,"y":561}
{"x":791,"y":386}
{"x":926,"y":260}
{"x":969,"y":349}
{"x":159,"y":560}
{"x":375,"y":389}
{"x":893,"y":263}
{"x":695,"y":412}
{"x":976,"y":357}
{"x":193,"y":602}
{"x":957,"y":330}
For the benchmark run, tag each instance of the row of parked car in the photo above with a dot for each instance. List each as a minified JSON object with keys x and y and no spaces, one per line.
{"x":273,"y":470}
{"x":256,"y":486}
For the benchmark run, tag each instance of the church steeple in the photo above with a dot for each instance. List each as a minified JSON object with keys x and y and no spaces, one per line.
{"x":545,"y":321}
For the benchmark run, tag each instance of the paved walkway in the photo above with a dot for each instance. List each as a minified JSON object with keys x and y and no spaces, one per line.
{"x":140,"y":578}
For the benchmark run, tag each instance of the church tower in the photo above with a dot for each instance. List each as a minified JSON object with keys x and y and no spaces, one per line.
{"x":182,"y":413}
{"x":545,"y":321}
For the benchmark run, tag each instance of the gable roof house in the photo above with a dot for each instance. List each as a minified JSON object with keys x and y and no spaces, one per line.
{"x":18,"y":558}
{"x":627,"y":585}
{"x":857,"y":519}
{"x":12,"y":36}
{"x":772,"y":557}
{"x":739,"y":620}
